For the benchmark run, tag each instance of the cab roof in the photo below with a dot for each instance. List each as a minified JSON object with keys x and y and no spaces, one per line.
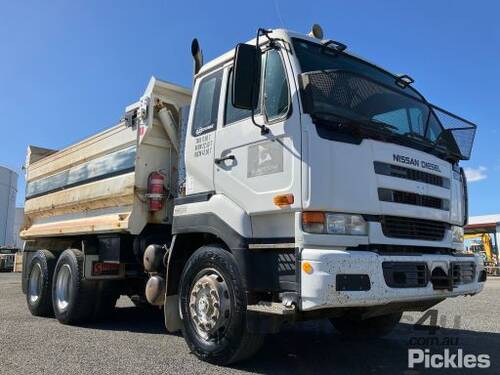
{"x":284,"y":34}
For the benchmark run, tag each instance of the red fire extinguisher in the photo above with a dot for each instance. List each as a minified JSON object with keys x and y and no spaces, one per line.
{"x":156,"y":191}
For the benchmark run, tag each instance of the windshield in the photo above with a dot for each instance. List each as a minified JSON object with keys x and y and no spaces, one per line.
{"x":346,"y":89}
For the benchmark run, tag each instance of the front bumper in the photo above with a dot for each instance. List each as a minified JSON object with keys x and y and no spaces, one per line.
{"x":318,"y":288}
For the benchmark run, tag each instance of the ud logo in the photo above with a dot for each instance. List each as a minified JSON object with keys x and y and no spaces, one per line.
{"x":265,"y":158}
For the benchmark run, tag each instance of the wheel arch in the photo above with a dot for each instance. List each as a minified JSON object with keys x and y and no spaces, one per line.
{"x":182,"y":247}
{"x":258,"y":266}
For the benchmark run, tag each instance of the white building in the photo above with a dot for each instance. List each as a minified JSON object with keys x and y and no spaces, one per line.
{"x":18,"y":222}
{"x":8,"y":191}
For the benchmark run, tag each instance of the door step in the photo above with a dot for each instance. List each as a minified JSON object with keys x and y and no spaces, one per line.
{"x":272,"y":308}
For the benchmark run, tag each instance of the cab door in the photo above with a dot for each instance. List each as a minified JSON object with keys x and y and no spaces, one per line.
{"x":252,"y":168}
{"x":201,"y":132}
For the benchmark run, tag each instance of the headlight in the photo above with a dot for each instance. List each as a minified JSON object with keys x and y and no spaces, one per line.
{"x":332,"y":223}
{"x":457,"y":234}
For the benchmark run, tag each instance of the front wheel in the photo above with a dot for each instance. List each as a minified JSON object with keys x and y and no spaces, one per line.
{"x":213,"y":308}
{"x":377,"y":326}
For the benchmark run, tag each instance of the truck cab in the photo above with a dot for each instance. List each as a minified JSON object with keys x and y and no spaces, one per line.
{"x":333,"y":183}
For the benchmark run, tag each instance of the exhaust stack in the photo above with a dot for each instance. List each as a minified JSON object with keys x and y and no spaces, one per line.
{"x":197,"y":55}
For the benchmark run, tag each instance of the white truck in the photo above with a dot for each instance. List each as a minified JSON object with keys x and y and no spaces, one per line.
{"x":7,"y":258}
{"x":299,"y":182}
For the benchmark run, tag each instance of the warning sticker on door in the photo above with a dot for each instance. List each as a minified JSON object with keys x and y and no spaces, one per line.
{"x":265,"y":158}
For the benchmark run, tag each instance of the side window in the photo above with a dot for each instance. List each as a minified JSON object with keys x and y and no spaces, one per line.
{"x":207,"y":104}
{"x":276,"y":93}
{"x":234,"y":114}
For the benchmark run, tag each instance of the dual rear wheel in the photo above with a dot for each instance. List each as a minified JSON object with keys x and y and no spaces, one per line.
{"x":59,"y":288}
{"x":39,"y":283}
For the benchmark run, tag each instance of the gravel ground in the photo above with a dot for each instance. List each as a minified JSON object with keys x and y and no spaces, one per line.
{"x":134,"y":343}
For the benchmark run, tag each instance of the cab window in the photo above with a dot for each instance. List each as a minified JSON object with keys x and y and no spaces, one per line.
{"x":232,"y":113}
{"x":276,"y":93}
{"x":207,"y":104}
{"x":276,"y":99}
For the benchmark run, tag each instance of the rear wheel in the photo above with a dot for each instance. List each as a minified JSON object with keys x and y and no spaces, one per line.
{"x":377,"y":326}
{"x":213,"y":307}
{"x":38,"y":291}
{"x":73,"y":297}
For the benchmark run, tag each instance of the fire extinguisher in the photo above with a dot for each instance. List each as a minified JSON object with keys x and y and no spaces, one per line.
{"x":156,"y":191}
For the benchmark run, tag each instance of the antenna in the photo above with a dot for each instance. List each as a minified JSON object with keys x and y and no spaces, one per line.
{"x":279,"y":13}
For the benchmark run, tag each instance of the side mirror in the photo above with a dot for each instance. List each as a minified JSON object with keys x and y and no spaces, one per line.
{"x":246,"y":76}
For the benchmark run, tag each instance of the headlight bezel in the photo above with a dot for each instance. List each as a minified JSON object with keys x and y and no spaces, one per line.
{"x":334,"y":223}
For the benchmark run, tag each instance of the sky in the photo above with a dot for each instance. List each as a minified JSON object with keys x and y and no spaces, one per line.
{"x":69,"y":68}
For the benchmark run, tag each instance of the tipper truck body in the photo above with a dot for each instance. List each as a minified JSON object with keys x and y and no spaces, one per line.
{"x":297,"y":181}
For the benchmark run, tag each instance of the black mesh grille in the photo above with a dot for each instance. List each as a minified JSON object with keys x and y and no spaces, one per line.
{"x":337,"y":94}
{"x":415,"y":229}
{"x":396,"y":196}
{"x":405,"y":274}
{"x":463,"y":272}
{"x":344,"y":93}
{"x":462,"y":131}
{"x":410,"y":174}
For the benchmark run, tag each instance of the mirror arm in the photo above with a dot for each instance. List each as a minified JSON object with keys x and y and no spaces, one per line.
{"x":265,"y":32}
{"x":263,"y":128}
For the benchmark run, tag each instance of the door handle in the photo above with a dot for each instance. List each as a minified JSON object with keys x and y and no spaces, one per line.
{"x":228,"y":157}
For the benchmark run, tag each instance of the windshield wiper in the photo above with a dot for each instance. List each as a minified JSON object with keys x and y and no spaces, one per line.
{"x":385,"y":131}
{"x":382,"y":124}
{"x":368,"y":124}
{"x":415,"y":135}
{"x":426,"y":142}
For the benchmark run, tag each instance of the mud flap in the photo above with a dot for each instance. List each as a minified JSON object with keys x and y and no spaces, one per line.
{"x":173,"y":322}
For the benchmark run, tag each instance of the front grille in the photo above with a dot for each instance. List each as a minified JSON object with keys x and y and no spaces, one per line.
{"x":405,"y":274}
{"x":463,"y":272}
{"x":385,"y":249}
{"x":404,"y":197}
{"x":392,"y":170}
{"x":415,"y":229}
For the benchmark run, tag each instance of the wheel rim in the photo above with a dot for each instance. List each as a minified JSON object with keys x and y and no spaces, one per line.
{"x":35,"y":284}
{"x":63,"y":287}
{"x":209,"y":304}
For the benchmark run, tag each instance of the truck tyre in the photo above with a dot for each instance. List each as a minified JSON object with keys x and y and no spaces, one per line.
{"x":377,"y":326}
{"x":213,"y":308}
{"x":39,"y":285}
{"x":72,"y":296}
